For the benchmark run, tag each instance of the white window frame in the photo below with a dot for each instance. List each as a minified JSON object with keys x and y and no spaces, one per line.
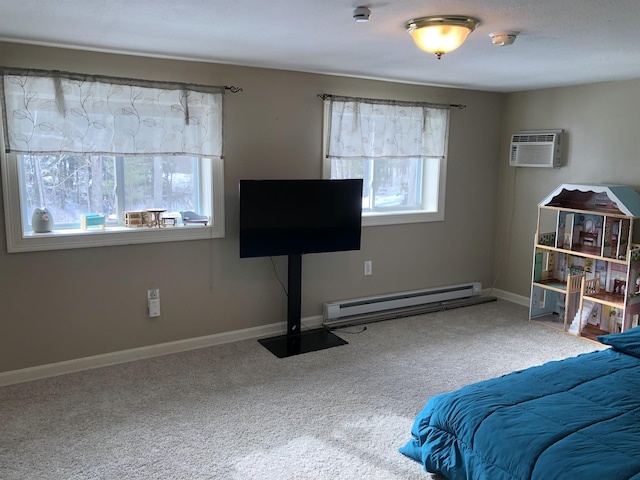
{"x":434,"y":173}
{"x":212,"y":189}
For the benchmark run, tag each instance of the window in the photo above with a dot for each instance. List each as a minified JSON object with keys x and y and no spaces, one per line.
{"x":81,"y":145}
{"x":397,"y":148}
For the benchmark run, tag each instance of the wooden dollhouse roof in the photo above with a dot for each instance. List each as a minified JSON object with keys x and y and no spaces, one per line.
{"x":622,"y":199}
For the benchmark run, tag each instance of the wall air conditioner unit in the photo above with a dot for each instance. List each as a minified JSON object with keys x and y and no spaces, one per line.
{"x":536,"y":148}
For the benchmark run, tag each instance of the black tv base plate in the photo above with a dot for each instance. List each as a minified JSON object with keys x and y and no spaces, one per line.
{"x":284,"y":346}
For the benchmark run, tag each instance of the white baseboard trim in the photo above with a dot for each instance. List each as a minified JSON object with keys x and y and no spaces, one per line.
{"x":141,"y":353}
{"x":511,"y":297}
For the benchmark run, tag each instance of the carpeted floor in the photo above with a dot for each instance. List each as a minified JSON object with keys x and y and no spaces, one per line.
{"x":236,"y":411}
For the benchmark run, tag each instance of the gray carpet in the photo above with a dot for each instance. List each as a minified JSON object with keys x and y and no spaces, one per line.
{"x":236,"y":411}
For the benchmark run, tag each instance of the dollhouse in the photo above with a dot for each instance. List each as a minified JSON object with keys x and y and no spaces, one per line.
{"x":586,"y":269}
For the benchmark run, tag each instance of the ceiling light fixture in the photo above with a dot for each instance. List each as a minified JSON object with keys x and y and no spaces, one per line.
{"x":440,"y":34}
{"x":502,"y":39}
{"x":361,"y":14}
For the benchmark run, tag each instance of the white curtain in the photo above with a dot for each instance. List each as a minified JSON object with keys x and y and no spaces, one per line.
{"x":56,"y":112}
{"x":366,"y":128}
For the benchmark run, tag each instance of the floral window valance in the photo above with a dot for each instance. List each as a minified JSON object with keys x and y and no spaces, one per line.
{"x":367,"y":128}
{"x":49,"y":112}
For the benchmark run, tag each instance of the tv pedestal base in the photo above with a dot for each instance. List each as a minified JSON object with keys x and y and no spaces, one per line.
{"x":296,"y":341}
{"x":284,"y":346}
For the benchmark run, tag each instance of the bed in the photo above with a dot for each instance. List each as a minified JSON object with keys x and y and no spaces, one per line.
{"x":577,"y":418}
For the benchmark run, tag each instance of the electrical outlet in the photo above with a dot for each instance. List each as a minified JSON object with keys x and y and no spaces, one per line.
{"x":154,"y":308}
{"x":153,"y":302}
{"x":368,"y":267}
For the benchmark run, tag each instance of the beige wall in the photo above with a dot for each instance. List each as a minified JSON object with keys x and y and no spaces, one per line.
{"x":68,"y":304}
{"x":602,"y":125}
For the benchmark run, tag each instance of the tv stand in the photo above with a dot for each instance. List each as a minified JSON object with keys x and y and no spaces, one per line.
{"x":295,"y":341}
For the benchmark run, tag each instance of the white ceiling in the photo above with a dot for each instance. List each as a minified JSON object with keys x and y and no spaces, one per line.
{"x":561,"y":42}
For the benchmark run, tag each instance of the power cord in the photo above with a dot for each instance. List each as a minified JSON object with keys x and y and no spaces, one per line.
{"x":284,"y":289}
{"x":275,"y":271}
{"x":362,"y":330}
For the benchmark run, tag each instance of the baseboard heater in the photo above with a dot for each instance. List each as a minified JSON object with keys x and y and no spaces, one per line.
{"x":384,"y":307}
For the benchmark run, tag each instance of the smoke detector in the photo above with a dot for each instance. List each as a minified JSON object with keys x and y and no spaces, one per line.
{"x":502,"y":39}
{"x":361,"y":14}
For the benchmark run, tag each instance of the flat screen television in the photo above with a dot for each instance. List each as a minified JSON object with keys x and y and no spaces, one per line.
{"x":285,"y":217}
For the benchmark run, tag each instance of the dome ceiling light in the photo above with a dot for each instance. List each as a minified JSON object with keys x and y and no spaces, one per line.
{"x":440,"y":34}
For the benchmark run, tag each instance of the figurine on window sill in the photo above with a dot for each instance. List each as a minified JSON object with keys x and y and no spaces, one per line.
{"x":42,"y":220}
{"x":189,"y":217}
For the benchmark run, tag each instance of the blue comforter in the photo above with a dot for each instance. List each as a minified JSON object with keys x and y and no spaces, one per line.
{"x":577,"y":418}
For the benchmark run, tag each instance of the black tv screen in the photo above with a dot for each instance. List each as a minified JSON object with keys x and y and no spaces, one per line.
{"x":284,"y":217}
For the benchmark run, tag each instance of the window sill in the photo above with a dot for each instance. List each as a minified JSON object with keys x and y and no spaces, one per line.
{"x":110,"y":236}
{"x":397,"y":218}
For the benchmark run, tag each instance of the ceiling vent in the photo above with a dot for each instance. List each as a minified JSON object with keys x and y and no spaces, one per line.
{"x":536,"y":148}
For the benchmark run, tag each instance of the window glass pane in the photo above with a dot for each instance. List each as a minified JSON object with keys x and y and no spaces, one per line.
{"x":389,"y":184}
{"x":68,"y":185}
{"x":73,"y":185}
{"x":160,"y":182}
{"x":397,"y":183}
